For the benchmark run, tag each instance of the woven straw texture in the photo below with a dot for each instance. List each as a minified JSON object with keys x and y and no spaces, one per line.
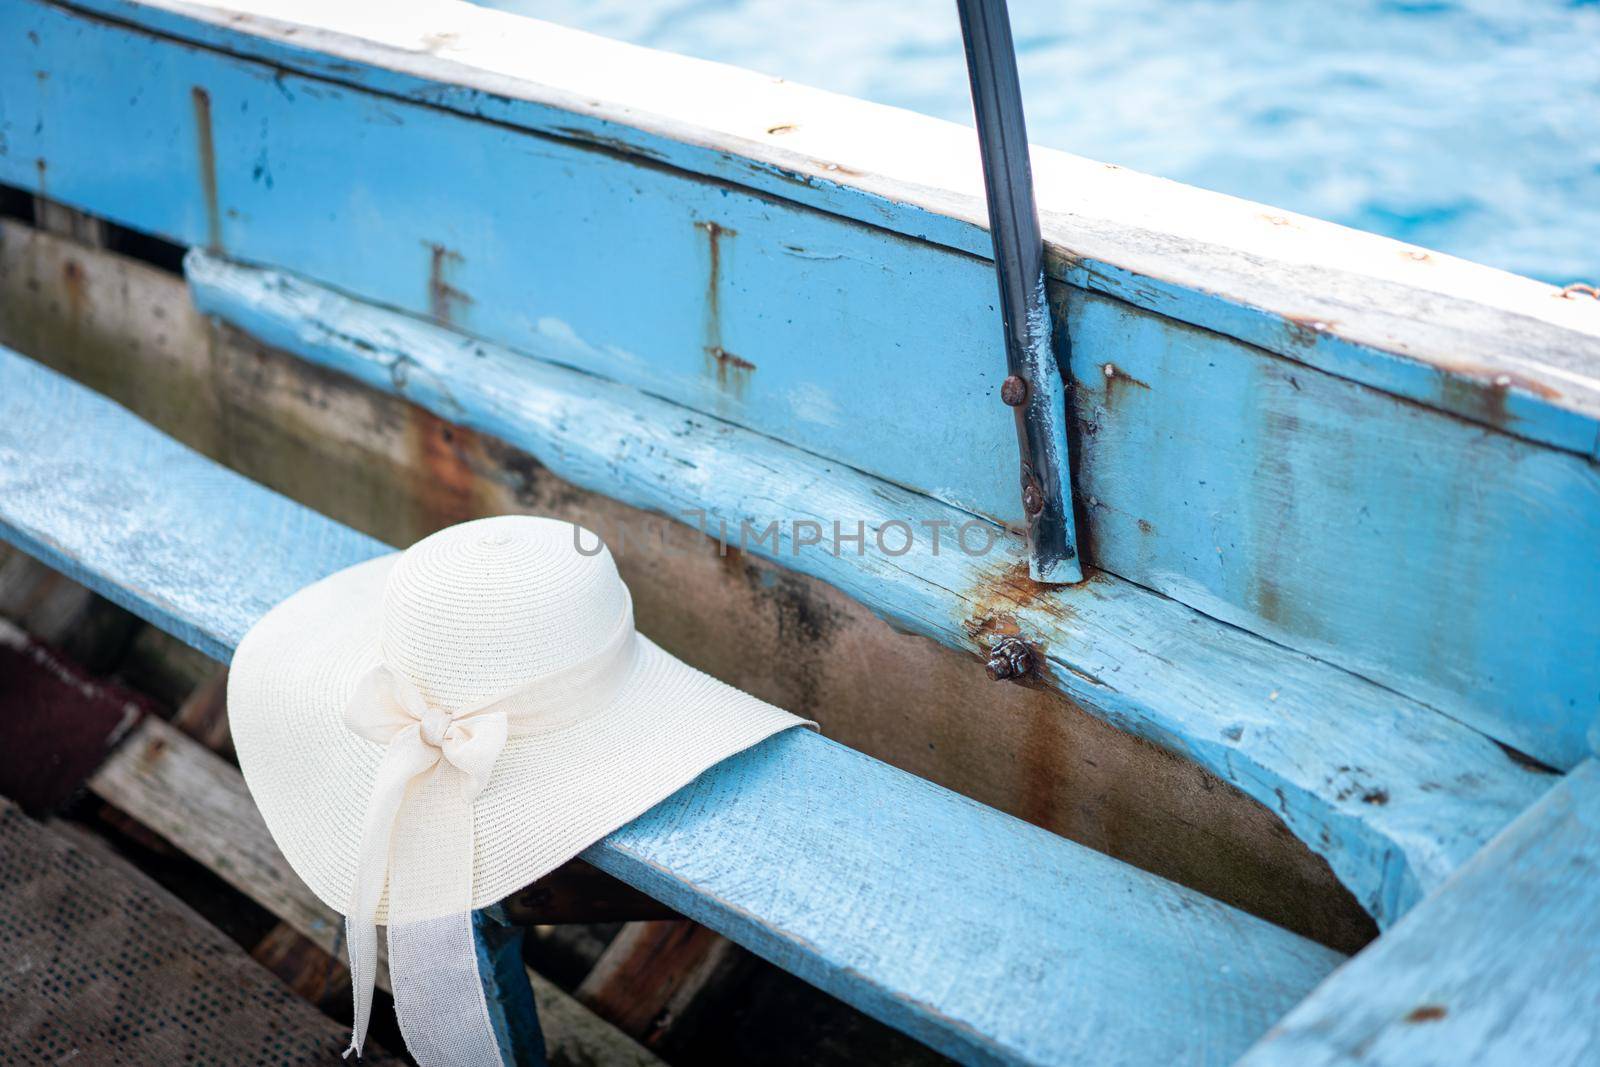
{"x":468,"y":613}
{"x":104,"y":966}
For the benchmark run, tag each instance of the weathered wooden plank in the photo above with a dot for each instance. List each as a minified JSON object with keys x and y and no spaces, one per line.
{"x":195,"y":800}
{"x":651,"y":973}
{"x":203,"y":715}
{"x":304,"y":967}
{"x":1393,"y":794}
{"x":376,"y":462}
{"x":1487,"y":345}
{"x":798,"y":320}
{"x":870,"y":883}
{"x":1457,"y":566}
{"x":198,"y":802}
{"x":1499,"y":968}
{"x":1267,"y":498}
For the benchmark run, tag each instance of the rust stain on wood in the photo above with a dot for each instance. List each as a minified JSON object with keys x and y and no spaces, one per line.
{"x":76,"y":285}
{"x":1003,"y":594}
{"x":446,"y":484}
{"x":731,"y":372}
{"x":1117,"y":380}
{"x":1047,"y":753}
{"x":1482,"y":394}
{"x":206,"y":155}
{"x":443,"y":296}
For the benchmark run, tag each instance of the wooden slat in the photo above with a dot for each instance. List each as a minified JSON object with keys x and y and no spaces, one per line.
{"x":870,"y":883}
{"x":1500,"y":968}
{"x":1282,"y":474}
{"x":199,"y":803}
{"x":1391,"y":793}
{"x":304,"y":966}
{"x":652,"y":973}
{"x":203,"y":715}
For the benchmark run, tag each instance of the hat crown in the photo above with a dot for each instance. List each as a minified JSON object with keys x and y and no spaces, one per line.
{"x":476,"y":610}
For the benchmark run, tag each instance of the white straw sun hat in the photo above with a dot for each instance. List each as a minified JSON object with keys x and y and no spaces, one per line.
{"x":429,"y":731}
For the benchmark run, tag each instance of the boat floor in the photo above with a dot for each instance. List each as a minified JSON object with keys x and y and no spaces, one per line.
{"x":106,"y":966}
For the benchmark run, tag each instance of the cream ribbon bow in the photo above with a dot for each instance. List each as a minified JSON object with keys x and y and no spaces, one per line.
{"x":435,"y":763}
{"x":389,"y":709}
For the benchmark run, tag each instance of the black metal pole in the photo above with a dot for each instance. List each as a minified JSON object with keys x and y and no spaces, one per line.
{"x":1035,"y":388}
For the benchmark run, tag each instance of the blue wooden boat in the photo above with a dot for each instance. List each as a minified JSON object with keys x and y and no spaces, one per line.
{"x":1330,"y":506}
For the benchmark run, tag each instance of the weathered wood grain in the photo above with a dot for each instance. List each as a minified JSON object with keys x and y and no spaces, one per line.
{"x":803,"y":322}
{"x":1393,"y":794}
{"x":309,"y":970}
{"x":1459,"y":567}
{"x":651,"y":974}
{"x":197,"y":801}
{"x":1499,"y":968}
{"x":870,"y":883}
{"x":376,"y":462}
{"x":203,"y":715}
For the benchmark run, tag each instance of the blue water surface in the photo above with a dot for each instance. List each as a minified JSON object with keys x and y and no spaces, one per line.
{"x":1472,"y":127}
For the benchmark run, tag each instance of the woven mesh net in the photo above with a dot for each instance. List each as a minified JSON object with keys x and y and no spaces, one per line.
{"x":99,"y":965}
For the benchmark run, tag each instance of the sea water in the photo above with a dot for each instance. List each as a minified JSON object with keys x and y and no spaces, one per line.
{"x":1472,"y":127}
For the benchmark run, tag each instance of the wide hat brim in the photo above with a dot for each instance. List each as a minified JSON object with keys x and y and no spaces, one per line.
{"x":552,"y":793}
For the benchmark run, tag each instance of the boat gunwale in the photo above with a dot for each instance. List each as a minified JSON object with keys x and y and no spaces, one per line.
{"x":1484,"y":345}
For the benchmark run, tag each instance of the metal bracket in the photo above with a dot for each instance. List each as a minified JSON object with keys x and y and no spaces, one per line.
{"x":1035,"y":387}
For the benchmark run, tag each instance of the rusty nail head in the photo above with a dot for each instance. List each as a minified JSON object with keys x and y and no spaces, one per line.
{"x":1032,"y":499}
{"x":1009,"y":657}
{"x":1014,"y":391}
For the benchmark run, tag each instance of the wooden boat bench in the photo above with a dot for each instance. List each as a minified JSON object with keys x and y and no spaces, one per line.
{"x":1312,"y":597}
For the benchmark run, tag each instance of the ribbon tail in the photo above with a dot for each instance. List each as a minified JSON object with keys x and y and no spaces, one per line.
{"x":439,"y":999}
{"x":361,"y":940}
{"x":405,"y":758}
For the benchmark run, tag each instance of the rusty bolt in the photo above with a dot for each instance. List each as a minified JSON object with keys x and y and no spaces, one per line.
{"x":1032,"y":499}
{"x":1014,"y":391}
{"x":1010,"y":657}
